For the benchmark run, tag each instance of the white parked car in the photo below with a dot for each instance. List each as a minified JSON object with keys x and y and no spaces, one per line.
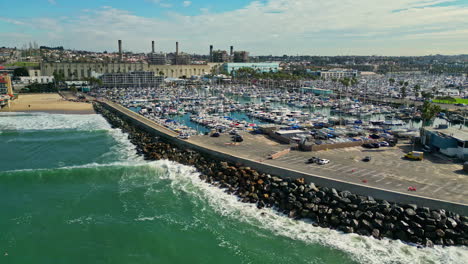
{"x":384,"y":144}
{"x":323,"y":161}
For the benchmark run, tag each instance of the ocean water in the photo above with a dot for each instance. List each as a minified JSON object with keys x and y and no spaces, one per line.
{"x":72,"y":190}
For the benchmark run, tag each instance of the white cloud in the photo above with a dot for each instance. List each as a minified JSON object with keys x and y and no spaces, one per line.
{"x":161,"y":3}
{"x":333,"y":27}
{"x":187,"y":3}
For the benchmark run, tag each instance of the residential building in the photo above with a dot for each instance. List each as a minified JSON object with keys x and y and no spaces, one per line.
{"x":34,"y":79}
{"x":34,"y":72}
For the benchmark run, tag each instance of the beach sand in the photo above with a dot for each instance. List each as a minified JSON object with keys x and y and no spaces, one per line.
{"x":50,"y":103}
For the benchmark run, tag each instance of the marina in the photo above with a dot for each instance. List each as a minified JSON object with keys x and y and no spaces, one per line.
{"x":326,"y":119}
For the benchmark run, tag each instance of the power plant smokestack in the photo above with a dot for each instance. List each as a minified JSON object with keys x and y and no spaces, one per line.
{"x":176,"y":52}
{"x":211,"y":53}
{"x":120,"y":50}
{"x":152,"y":46}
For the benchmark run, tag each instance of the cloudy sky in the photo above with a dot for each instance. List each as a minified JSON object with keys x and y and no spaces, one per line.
{"x":309,"y":27}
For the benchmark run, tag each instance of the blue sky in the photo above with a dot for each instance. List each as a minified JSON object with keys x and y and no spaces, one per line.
{"x":312,"y":27}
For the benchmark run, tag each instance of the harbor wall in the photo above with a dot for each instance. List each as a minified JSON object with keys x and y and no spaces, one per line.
{"x":382,"y":194}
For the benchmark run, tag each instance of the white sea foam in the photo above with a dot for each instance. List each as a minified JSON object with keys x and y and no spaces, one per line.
{"x":46,"y":121}
{"x":25,"y":122}
{"x":363,"y":249}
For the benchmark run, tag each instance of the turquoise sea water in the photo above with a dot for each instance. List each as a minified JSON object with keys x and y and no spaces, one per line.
{"x":72,"y":190}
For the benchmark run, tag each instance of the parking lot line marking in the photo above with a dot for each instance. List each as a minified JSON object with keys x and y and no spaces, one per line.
{"x":387,"y":183}
{"x":381,"y":179}
{"x":399,"y":184}
{"x":378,"y":175}
{"x":368,"y":173}
{"x":342,"y":168}
{"x":296,"y":161}
{"x":441,"y":187}
{"x":425,"y":187}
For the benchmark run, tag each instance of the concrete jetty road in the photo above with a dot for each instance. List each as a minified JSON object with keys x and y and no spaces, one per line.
{"x":439,"y":182}
{"x":435,"y":177}
{"x":141,"y":118}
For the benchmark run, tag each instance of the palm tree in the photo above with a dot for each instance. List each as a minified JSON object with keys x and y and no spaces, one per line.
{"x":416,"y":90}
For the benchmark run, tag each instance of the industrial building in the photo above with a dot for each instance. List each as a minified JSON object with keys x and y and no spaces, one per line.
{"x":131,"y":79}
{"x":261,"y":67}
{"x":241,"y":56}
{"x":156,"y":63}
{"x":157,"y":58}
{"x":450,"y":141}
{"x":220,"y":56}
{"x":79,"y":71}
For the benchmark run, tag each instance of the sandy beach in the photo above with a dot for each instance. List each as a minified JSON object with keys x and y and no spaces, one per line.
{"x":50,"y":103}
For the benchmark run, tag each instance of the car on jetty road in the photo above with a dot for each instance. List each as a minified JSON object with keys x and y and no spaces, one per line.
{"x":312,"y":160}
{"x":323,"y":161}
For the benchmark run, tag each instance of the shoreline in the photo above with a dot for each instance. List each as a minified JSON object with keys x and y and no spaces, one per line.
{"x":52,"y":103}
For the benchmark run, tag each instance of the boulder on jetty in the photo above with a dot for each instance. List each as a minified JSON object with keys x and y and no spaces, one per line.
{"x":326,"y":207}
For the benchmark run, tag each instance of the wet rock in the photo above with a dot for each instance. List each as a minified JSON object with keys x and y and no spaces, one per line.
{"x":440,"y":233}
{"x":410,"y":212}
{"x":451,"y":223}
{"x":376,"y":233}
{"x":312,"y":187}
{"x":346,"y":229}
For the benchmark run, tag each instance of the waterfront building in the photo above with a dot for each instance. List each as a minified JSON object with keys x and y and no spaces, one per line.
{"x":337,"y":74}
{"x":131,"y":79}
{"x":449,"y":141}
{"x":316,"y":91}
{"x":261,"y":67}
{"x":5,"y":85}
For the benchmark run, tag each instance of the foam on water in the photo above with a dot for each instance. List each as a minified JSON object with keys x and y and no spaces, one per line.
{"x":363,"y":249}
{"x":30,"y":122}
{"x":46,"y":121}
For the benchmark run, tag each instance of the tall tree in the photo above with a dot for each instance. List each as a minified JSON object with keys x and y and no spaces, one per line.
{"x":416,"y":90}
{"x":429,"y":111}
{"x":21,"y":72}
{"x":403,"y":92}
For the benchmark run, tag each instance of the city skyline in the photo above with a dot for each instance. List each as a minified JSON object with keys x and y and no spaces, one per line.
{"x":277,"y":27}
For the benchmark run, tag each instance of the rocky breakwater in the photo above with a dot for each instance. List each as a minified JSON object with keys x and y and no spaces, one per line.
{"x":326,"y":207}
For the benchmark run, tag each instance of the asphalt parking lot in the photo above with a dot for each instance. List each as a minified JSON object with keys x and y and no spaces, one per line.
{"x":436,"y":176}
